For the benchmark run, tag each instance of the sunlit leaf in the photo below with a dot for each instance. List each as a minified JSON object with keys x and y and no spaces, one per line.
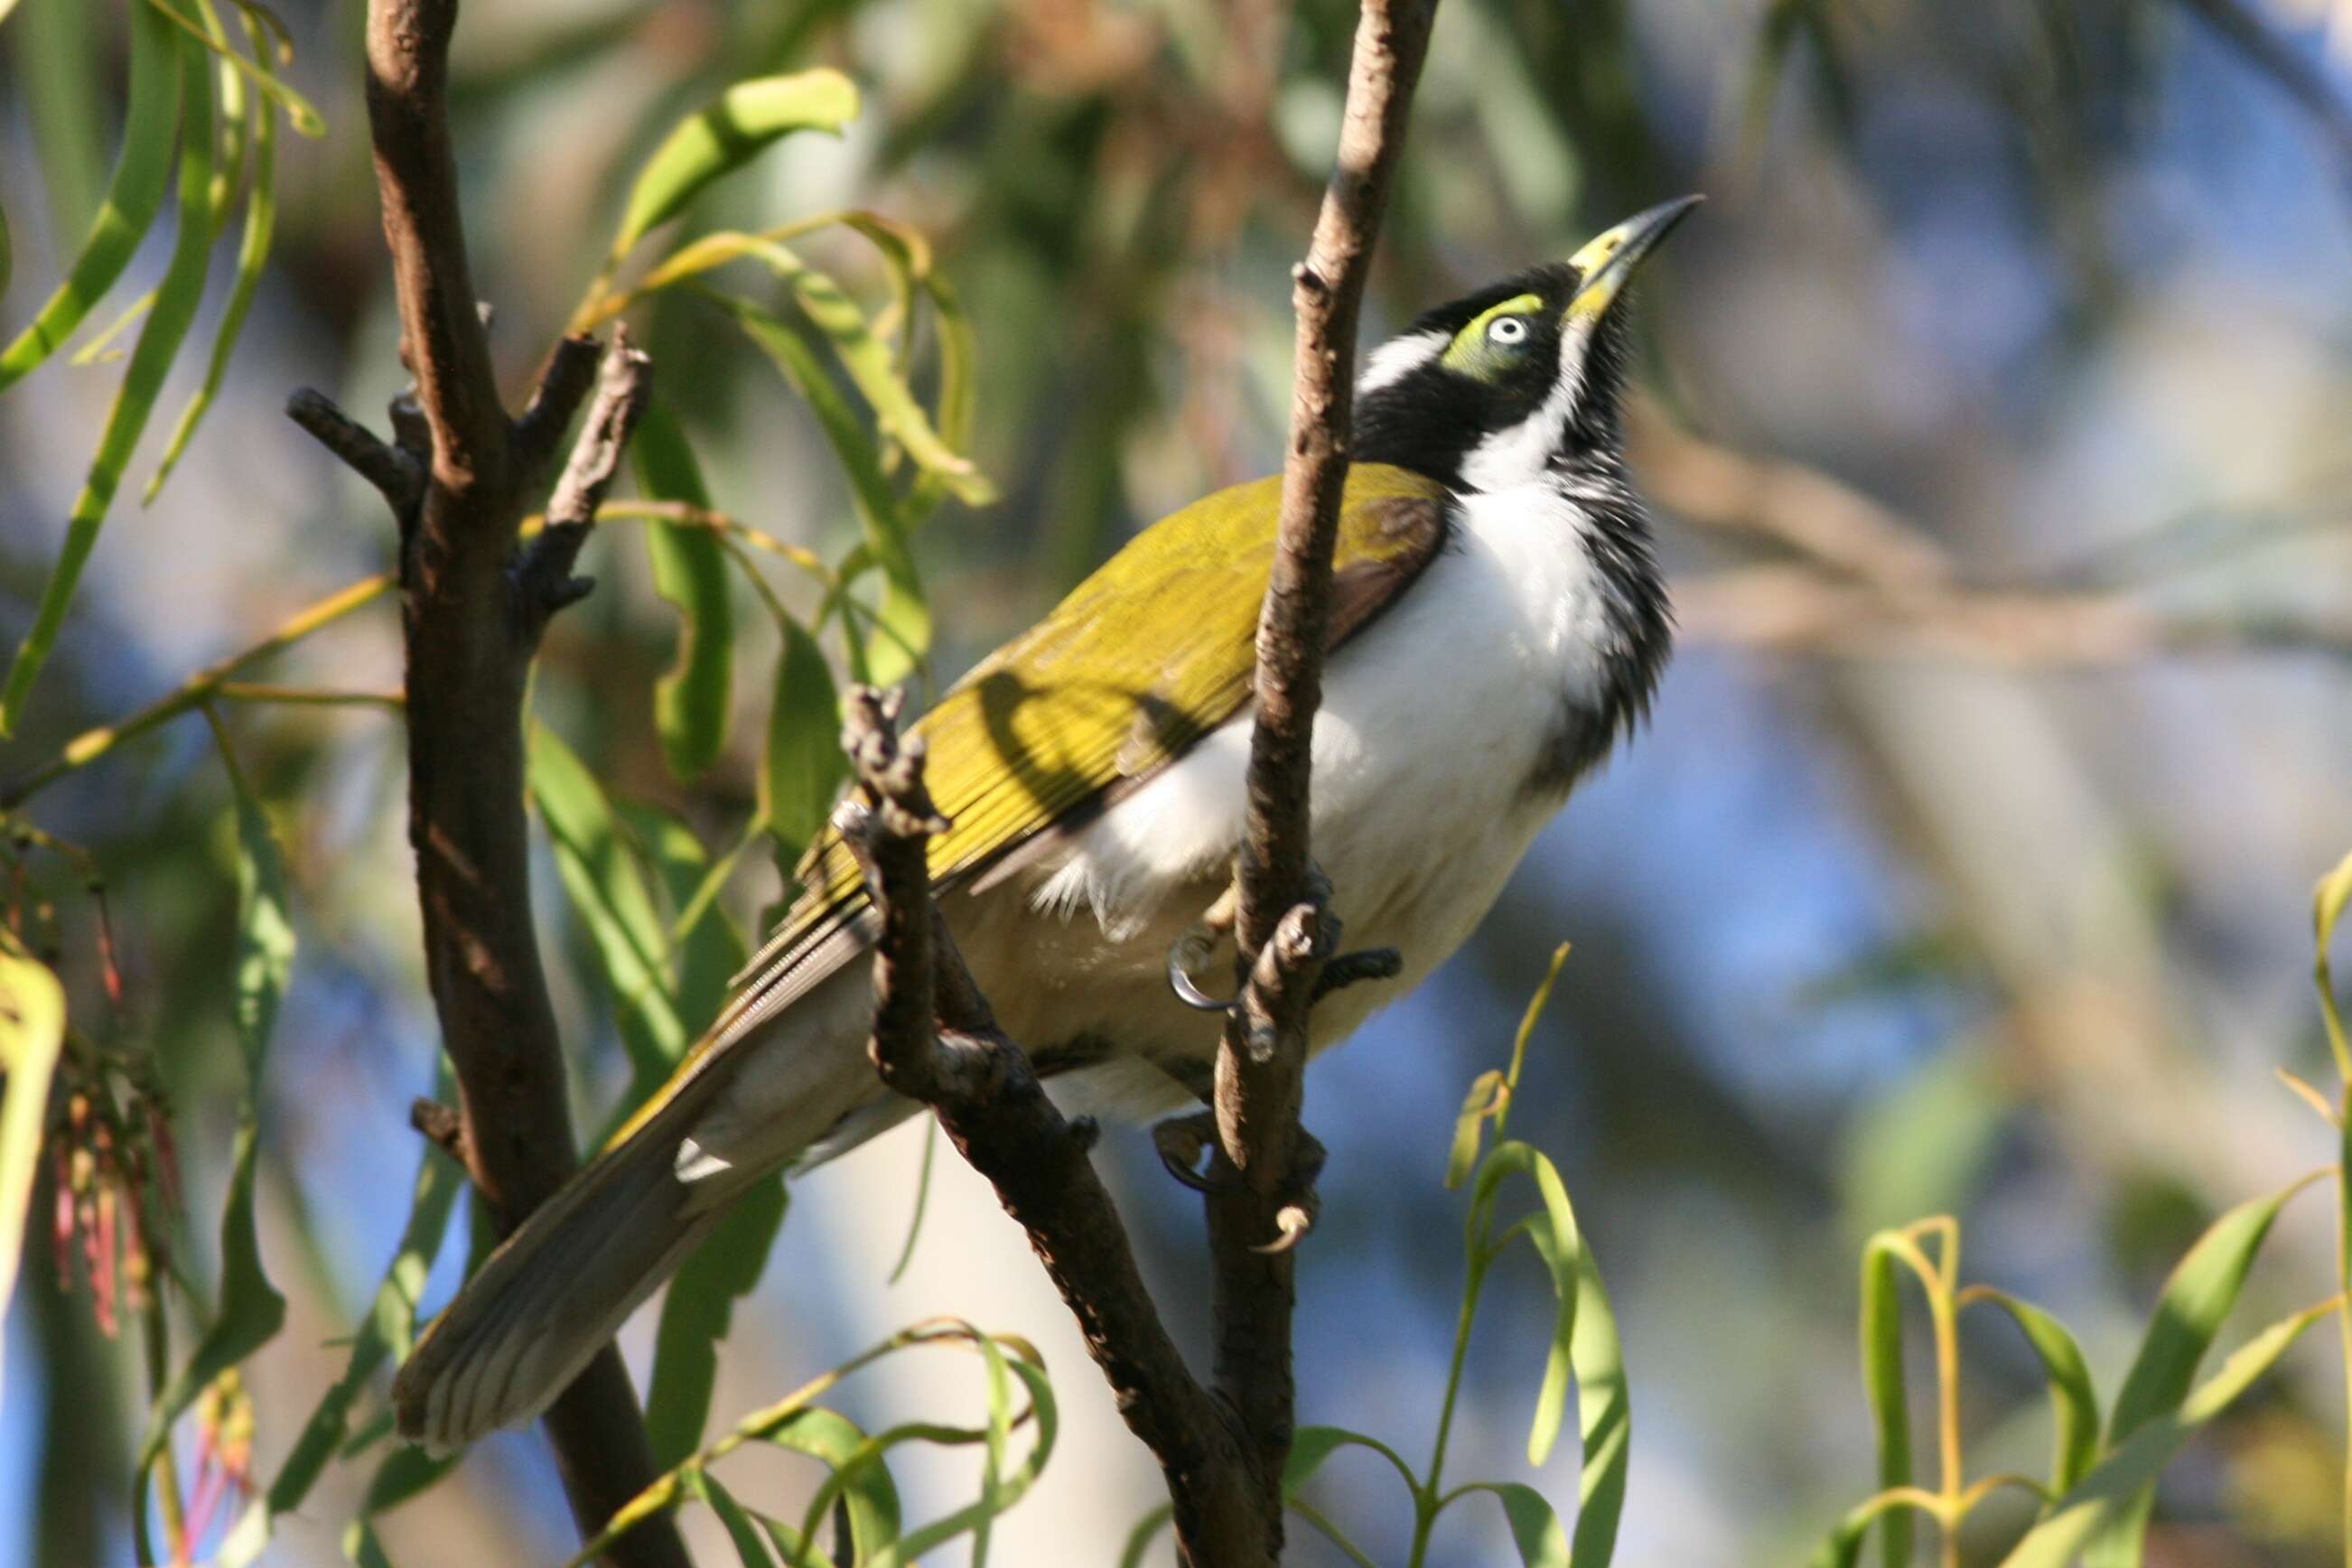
{"x":1486,"y":1097}
{"x":1535,"y":1527}
{"x":860,"y":1481}
{"x":1604,"y":1418}
{"x":134,"y":195}
{"x":251,"y":1311}
{"x":176,"y":298}
{"x":2328,"y":901}
{"x":2109,"y":1507}
{"x":32,"y":1029}
{"x":743,"y":122}
{"x":693,"y":698}
{"x":1554,"y":1234}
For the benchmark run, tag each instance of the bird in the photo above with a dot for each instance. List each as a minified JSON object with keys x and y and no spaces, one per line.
{"x":1498,"y":623}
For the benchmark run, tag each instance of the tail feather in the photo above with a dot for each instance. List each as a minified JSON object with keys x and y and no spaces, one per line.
{"x":553,"y":1295}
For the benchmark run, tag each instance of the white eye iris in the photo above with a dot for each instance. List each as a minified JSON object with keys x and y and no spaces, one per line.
{"x":1506,"y":331}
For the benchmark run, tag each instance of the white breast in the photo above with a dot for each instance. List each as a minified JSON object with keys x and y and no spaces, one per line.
{"x":1435,"y":722}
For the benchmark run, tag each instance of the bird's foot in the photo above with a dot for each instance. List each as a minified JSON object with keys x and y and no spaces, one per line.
{"x":1197,"y":946}
{"x":1181,"y":1141}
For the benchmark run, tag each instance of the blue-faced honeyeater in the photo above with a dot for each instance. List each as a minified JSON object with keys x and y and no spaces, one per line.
{"x":1498,"y":622}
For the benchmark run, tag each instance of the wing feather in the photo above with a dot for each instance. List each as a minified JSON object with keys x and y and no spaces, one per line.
{"x":1020,"y":748}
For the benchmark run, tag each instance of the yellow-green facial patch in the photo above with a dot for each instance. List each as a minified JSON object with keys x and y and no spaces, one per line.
{"x":1496,"y":339}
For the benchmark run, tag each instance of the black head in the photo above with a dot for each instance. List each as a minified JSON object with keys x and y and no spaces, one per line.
{"x":1524,"y":377}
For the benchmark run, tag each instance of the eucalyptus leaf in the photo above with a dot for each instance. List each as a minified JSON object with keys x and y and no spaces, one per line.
{"x":32,"y":1031}
{"x":167,"y":324}
{"x":1881,"y":1382}
{"x":743,"y":122}
{"x":2074,"y":1400}
{"x":802,"y":766}
{"x":692,"y":700}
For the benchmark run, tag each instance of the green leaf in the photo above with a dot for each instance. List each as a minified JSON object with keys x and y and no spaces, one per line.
{"x":297,"y":109}
{"x":1313,"y":1445}
{"x":744,"y":121}
{"x":695,"y":1315}
{"x":2073,"y":1401}
{"x":860,"y":1481}
{"x":133,"y":196}
{"x":906,"y":617}
{"x":251,"y":1311}
{"x":1488,"y":1094}
{"x":1844,"y":1547}
{"x":802,"y":766}
{"x":2204,"y":1288}
{"x":1554,"y":1234}
{"x":176,"y":298}
{"x":32,"y":1030}
{"x":608,"y":893}
{"x":745,"y":1536}
{"x":1000,"y":1488}
{"x":2110,"y":1504}
{"x":1535,"y":1527}
{"x":385,"y":1335}
{"x":1881,"y":1381}
{"x":692,"y":700}
{"x":1604,"y":1418}
{"x":252,"y":253}
{"x":2328,"y":901}
{"x":1147,"y":1531}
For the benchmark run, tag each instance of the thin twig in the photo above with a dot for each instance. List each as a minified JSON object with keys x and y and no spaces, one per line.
{"x":936,"y":1040}
{"x":1253,"y":1197}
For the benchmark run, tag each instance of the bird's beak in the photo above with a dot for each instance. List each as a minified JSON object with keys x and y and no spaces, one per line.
{"x":1608,"y":262}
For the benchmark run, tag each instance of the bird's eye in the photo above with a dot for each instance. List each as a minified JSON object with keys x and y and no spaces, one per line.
{"x":1506,"y":331}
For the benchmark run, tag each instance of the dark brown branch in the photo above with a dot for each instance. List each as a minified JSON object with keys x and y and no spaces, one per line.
{"x":470,"y":630}
{"x":936,"y":1040}
{"x":543,"y":580}
{"x":1281,"y":931}
{"x":397,"y":477}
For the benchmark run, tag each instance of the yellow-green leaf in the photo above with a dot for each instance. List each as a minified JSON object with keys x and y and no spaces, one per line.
{"x":802,"y":766}
{"x":32,"y":1029}
{"x":1881,"y":1382}
{"x":743,"y":122}
{"x":134,"y":195}
{"x":167,"y":324}
{"x":2073,"y":1401}
{"x":693,"y":697}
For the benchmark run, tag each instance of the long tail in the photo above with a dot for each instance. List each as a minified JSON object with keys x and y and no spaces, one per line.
{"x":555,"y":1292}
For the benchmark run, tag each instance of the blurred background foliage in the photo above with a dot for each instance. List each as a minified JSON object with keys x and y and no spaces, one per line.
{"x":1993,"y":411}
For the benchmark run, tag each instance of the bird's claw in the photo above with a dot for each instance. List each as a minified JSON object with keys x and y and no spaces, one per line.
{"x":1181,"y":1141}
{"x":1301,"y":1204}
{"x":1197,"y":946}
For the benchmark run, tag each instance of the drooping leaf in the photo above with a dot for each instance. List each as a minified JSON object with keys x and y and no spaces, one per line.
{"x":999,"y":1487}
{"x":691,"y":701}
{"x":297,"y":109}
{"x":252,"y":253}
{"x":750,"y":1550}
{"x":906,"y":618}
{"x":2073,"y":1401}
{"x":251,"y":1312}
{"x":1554,"y":1234}
{"x":742,"y":123}
{"x":860,"y":1481}
{"x":32,"y":1030}
{"x":142,"y":171}
{"x":1313,"y":1445}
{"x":167,"y":324}
{"x":1488,"y":1095}
{"x":1604,"y":1418}
{"x":1535,"y":1527}
{"x":2328,"y":901}
{"x":1147,"y":1531}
